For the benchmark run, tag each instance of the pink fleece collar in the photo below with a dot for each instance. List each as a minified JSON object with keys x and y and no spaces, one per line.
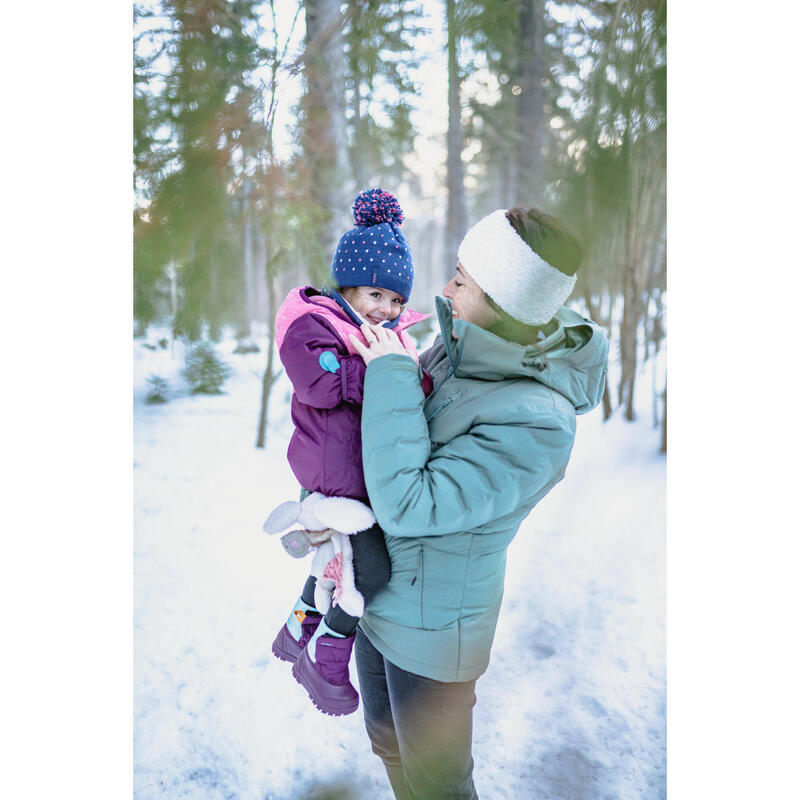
{"x":298,"y":302}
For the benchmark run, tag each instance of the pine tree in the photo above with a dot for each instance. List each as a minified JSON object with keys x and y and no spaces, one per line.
{"x":206,"y":103}
{"x":506,"y":39}
{"x":456,"y":225}
{"x":205,"y":372}
{"x":613,"y":178}
{"x":158,"y":390}
{"x":323,"y":119}
{"x":286,"y":212}
{"x":379,"y":46}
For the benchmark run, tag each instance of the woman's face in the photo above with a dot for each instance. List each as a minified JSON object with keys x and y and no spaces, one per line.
{"x":468,"y":299}
{"x":375,"y":305}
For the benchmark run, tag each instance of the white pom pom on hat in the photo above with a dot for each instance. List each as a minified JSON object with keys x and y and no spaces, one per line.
{"x":518,"y":279}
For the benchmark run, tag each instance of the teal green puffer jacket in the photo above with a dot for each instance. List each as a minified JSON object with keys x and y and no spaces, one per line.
{"x":452,"y":477}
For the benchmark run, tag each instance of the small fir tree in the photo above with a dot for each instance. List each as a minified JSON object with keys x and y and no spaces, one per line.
{"x":158,"y":390}
{"x":205,"y":371}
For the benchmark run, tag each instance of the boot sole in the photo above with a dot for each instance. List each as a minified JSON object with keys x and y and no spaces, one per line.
{"x":283,"y":655}
{"x":332,"y":707}
{"x":279,"y":649}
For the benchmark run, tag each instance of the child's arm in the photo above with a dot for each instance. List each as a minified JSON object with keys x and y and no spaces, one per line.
{"x":322,"y":372}
{"x":426,"y":381}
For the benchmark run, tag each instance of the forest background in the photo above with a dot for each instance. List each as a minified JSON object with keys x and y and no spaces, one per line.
{"x":66,"y":320}
{"x":257,"y":123}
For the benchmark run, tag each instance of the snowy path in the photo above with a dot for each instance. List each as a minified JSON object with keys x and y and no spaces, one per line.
{"x":572,"y":706}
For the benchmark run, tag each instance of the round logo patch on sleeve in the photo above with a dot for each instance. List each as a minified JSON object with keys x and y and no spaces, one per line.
{"x":329,"y":362}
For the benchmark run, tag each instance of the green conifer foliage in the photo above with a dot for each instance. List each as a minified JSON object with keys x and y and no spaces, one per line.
{"x":379,"y":43}
{"x":205,"y":371}
{"x":195,"y":102}
{"x":158,"y":390}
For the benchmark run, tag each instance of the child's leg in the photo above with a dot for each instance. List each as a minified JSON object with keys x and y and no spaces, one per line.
{"x":307,"y":595}
{"x":322,"y":667}
{"x":300,"y":625}
{"x":371,"y":563}
{"x":372,"y":570}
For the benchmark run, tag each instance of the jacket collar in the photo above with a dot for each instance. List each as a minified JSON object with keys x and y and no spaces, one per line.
{"x":477,"y":353}
{"x":572,"y":360}
{"x":339,"y":306}
{"x":353,"y":315}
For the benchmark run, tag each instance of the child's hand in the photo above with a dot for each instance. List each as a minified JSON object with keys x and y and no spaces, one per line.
{"x":380,"y":342}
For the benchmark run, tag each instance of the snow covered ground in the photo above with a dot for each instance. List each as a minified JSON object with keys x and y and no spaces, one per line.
{"x":571,"y":708}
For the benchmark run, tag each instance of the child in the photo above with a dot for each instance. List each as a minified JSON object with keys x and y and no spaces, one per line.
{"x":373,"y":273}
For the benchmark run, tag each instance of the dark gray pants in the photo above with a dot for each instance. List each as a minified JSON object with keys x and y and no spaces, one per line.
{"x":420,"y":728}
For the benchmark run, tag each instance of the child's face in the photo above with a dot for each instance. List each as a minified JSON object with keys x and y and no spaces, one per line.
{"x":374,"y":304}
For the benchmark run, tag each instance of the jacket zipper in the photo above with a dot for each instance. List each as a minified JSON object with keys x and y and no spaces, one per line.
{"x":419,"y":567}
{"x":421,"y":575}
{"x":437,"y":410}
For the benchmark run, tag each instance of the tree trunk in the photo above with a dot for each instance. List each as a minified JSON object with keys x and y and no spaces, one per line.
{"x":249,"y":277}
{"x":631,"y":310}
{"x":594,"y":314}
{"x":324,"y":130}
{"x":608,"y":409}
{"x":359,"y":173}
{"x":530,"y":132}
{"x":456,"y":200}
{"x":269,"y":377}
{"x":270,"y":261}
{"x":509,"y":195}
{"x":355,"y":9}
{"x":628,"y":335}
{"x":664,"y":423}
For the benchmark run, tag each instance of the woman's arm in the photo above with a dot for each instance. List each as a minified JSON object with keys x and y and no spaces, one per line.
{"x":479,"y":476}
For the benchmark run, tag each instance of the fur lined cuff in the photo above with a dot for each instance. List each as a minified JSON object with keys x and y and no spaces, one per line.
{"x":318,"y":513}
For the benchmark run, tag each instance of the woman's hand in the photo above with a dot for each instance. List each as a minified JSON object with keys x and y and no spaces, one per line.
{"x":380,"y":342}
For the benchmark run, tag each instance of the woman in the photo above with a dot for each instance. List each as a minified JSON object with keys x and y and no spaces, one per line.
{"x":451,"y":478}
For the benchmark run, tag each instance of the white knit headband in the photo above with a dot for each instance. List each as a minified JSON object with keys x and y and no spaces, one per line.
{"x":519,"y":280}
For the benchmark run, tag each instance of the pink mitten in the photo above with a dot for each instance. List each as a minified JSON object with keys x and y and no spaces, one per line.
{"x":333,"y":572}
{"x":323,"y":593}
{"x":332,"y":566}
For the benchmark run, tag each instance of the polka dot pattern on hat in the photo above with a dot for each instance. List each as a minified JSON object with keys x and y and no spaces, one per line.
{"x":375,"y":252}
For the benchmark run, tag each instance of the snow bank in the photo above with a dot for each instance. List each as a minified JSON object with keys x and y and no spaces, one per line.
{"x":572,"y":705}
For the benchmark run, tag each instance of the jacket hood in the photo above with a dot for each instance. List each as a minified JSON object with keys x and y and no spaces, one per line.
{"x":573,"y":360}
{"x":305,"y":299}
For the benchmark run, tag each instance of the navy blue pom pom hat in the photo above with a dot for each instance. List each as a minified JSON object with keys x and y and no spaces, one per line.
{"x":374,"y":252}
{"x":516,"y":277}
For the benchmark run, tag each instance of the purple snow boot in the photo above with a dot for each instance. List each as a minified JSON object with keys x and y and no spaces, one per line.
{"x":286,"y":647}
{"x":321,"y":669}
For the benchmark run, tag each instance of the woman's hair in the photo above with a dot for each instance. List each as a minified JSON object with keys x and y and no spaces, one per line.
{"x":545,"y":235}
{"x":511,"y":329}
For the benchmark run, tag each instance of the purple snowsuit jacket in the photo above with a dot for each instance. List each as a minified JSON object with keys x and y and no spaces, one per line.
{"x":327,"y":376}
